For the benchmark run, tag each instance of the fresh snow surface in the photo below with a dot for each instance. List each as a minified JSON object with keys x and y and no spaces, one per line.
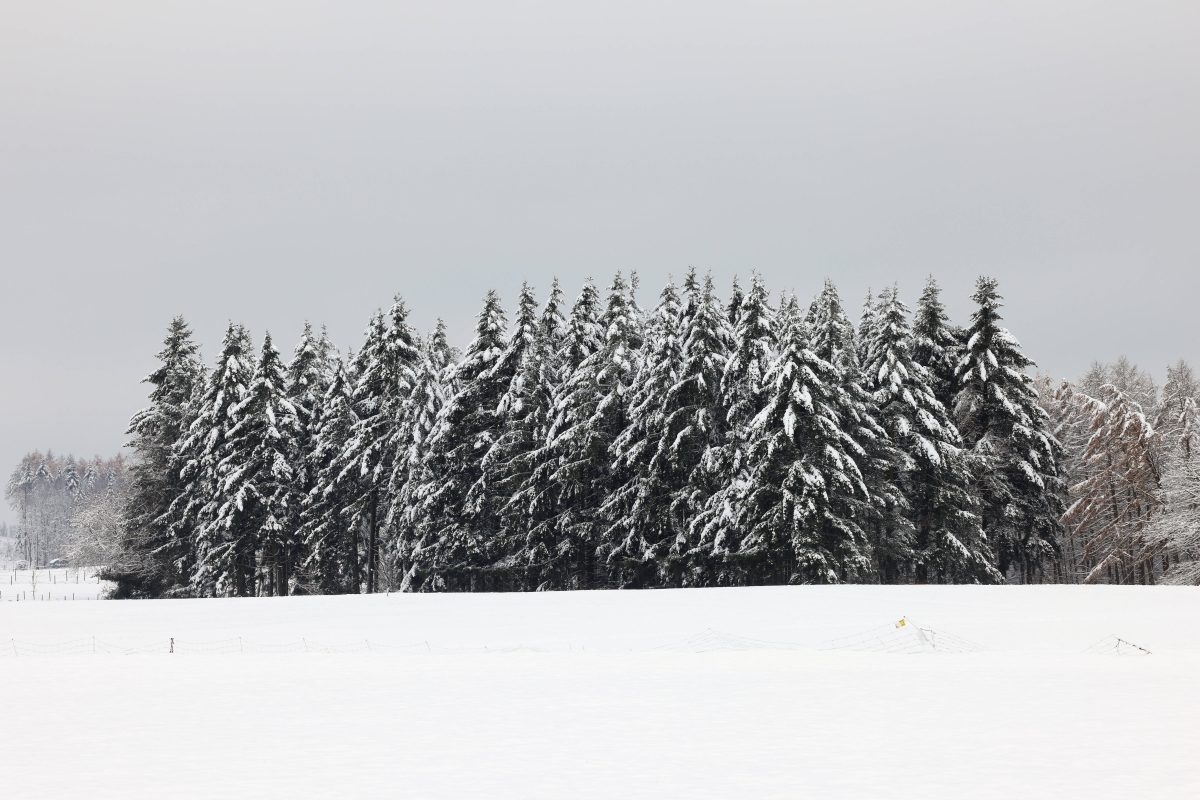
{"x":25,"y":585}
{"x":1013,"y":692}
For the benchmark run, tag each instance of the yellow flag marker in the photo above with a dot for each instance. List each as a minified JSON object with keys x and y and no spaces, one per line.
{"x":902,"y":622}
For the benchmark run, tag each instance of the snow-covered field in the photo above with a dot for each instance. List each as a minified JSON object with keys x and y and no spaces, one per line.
{"x":41,"y":585}
{"x":773,"y":692}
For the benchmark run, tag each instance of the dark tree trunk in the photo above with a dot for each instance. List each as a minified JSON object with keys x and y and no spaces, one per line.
{"x":284,"y":574}
{"x":355,"y":565}
{"x":372,"y":543}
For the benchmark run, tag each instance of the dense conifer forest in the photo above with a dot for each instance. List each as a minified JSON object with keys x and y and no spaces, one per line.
{"x":704,"y":441}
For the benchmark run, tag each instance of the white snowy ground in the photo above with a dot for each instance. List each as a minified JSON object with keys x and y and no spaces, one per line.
{"x":744,"y":693}
{"x":25,"y":585}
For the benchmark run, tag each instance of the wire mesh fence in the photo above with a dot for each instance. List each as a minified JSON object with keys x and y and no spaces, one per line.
{"x":15,"y":648}
{"x":904,"y":637}
{"x":44,"y":585}
{"x":907,"y":639}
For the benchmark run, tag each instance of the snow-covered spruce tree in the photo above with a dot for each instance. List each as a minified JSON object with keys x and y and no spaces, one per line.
{"x":459,"y":502}
{"x":404,"y":362}
{"x":585,"y":332}
{"x":884,"y":511}
{"x":866,"y":328}
{"x":224,"y":555}
{"x":368,"y":370}
{"x":1015,"y":457}
{"x":636,"y":313}
{"x":590,"y":414}
{"x":182,"y":518}
{"x":385,"y":373}
{"x":940,"y":529}
{"x":743,"y":394}
{"x":330,"y":542}
{"x":523,"y":410}
{"x":636,"y":514}
{"x":257,"y":480}
{"x":531,"y":508}
{"x":787,"y":316}
{"x":534,"y":508}
{"x":801,"y":508}
{"x":1119,"y":496}
{"x":689,"y":449}
{"x":831,"y":334}
{"x":513,"y":370}
{"x":309,"y":375}
{"x":412,"y":533}
{"x":937,"y":345}
{"x":743,"y":390}
{"x":152,"y":560}
{"x":733,"y":309}
{"x":72,"y":483}
{"x":516,"y":356}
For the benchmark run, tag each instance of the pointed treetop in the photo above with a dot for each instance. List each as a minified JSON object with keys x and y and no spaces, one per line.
{"x":552,"y":323}
{"x":866,"y":326}
{"x":584,"y":333}
{"x":832,"y":333}
{"x":488,"y":343}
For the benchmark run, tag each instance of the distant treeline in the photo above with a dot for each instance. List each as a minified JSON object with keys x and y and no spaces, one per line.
{"x":66,"y":508}
{"x":706,"y":442}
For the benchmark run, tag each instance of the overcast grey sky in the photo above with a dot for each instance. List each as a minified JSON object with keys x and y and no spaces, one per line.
{"x":276,"y":161}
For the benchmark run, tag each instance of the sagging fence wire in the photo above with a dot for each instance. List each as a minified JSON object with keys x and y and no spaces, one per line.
{"x":1114,"y":645}
{"x":903,"y":636}
{"x":711,"y":641}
